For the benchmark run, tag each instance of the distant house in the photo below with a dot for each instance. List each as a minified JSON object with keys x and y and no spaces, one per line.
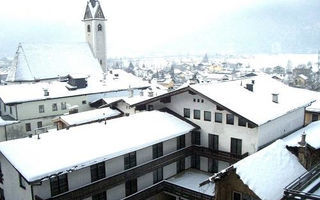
{"x":312,"y":112}
{"x":34,"y":105}
{"x":86,"y":117}
{"x":301,"y":81}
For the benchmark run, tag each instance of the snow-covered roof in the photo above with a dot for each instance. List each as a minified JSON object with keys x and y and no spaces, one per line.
{"x":270,"y":170}
{"x":238,"y":99}
{"x":5,"y":122}
{"x":314,"y":107}
{"x":303,"y":77}
{"x":17,"y":93}
{"x":78,"y":147}
{"x":89,"y":116}
{"x":45,"y":61}
{"x":312,"y":136}
{"x":191,"y":179}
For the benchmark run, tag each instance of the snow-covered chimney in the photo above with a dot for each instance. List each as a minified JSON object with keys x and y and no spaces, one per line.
{"x":303,"y":139}
{"x":150,"y":93}
{"x":275,"y":97}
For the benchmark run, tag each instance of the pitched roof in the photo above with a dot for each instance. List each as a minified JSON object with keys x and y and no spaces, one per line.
{"x":269,"y":171}
{"x":116,"y":137}
{"x":46,"y":61}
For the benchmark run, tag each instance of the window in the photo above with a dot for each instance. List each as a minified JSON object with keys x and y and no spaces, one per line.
{"x":195,"y":161}
{"x":218,"y":117}
{"x":100,"y":62}
{"x":196,"y":114}
{"x":212,"y":165}
{"x":181,"y":142}
{"x":22,"y":182}
{"x":202,"y":101}
{"x":236,"y":146}
{"x":186,"y":112}
{"x":236,"y":196}
{"x":131,"y":187}
{"x":220,"y":108}
{"x":39,"y":124}
{"x":98,"y":171}
{"x":194,"y":100}
{"x":130,"y":160}
{"x":99,"y":27}
{"x":230,"y":119}
{"x":28,"y":127}
{"x":59,"y":184}
{"x":5,"y":107}
{"x":214,"y":142}
{"x":63,"y":105}
{"x":242,"y":121}
{"x":84,"y":102}
{"x":198,"y":100}
{"x":314,"y":117}
{"x":158,"y":175}
{"x":150,"y":107}
{"x":1,"y":194}
{"x":207,"y":115}
{"x":195,"y":138}
{"x":180,"y":165}
{"x":10,"y":110}
{"x":157,"y":150}
{"x":88,"y":29}
{"x":251,"y":125}
{"x":41,"y":108}
{"x":54,"y":107}
{"x":100,"y":196}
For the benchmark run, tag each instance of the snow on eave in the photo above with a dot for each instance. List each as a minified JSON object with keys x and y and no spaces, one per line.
{"x":101,"y":145}
{"x":268,"y":171}
{"x":312,"y":136}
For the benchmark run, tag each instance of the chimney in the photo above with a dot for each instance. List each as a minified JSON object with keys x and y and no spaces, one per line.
{"x":46,"y":92}
{"x":275,"y":97}
{"x":303,"y":139}
{"x":250,"y":87}
{"x":150,"y":93}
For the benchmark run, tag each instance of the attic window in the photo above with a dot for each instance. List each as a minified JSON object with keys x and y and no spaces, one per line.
{"x":99,"y":27}
{"x":88,"y":29}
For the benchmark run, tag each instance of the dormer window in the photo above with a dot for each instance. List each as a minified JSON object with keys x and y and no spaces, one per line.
{"x":99,"y":27}
{"x":88,"y":29}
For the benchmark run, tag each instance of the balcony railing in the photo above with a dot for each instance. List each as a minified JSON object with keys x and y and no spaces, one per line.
{"x":135,"y":172}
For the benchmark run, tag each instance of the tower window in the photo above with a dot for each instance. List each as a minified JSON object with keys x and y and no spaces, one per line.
{"x":99,"y":27}
{"x":88,"y":29}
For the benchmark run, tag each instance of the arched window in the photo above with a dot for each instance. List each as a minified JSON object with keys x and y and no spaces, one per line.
{"x":99,"y":27}
{"x":88,"y":28}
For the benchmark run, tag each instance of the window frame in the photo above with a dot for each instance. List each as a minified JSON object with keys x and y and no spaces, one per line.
{"x":195,"y":162}
{"x":97,"y":171}
{"x":22,"y":182}
{"x":157,"y":150}
{"x":216,"y":114}
{"x":39,"y":123}
{"x":242,"y":120}
{"x":213,"y":142}
{"x":195,"y":115}
{"x":100,"y":196}
{"x":213,"y":165}
{"x":181,"y":165}
{"x":186,"y":112}
{"x":205,"y":118}
{"x":158,"y":175}
{"x":181,"y":142}
{"x":131,"y":187}
{"x":59,"y":187}
{"x":99,"y":27}
{"x":41,"y":108}
{"x":230,"y":119}
{"x":195,"y":138}
{"x":63,"y":105}
{"x":314,"y":117}
{"x":54,"y":107}
{"x":130,"y":160}
{"x":28,"y":127}
{"x":236,"y":146}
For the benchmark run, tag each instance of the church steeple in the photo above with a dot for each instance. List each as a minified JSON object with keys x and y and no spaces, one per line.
{"x":94,"y":21}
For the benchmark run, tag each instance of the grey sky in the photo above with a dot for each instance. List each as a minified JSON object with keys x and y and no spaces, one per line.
{"x":149,"y":27}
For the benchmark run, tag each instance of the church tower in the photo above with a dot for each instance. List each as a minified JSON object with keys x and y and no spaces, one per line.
{"x":95,"y":30}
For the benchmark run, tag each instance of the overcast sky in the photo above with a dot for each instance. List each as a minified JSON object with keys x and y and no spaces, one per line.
{"x":145,"y":27}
